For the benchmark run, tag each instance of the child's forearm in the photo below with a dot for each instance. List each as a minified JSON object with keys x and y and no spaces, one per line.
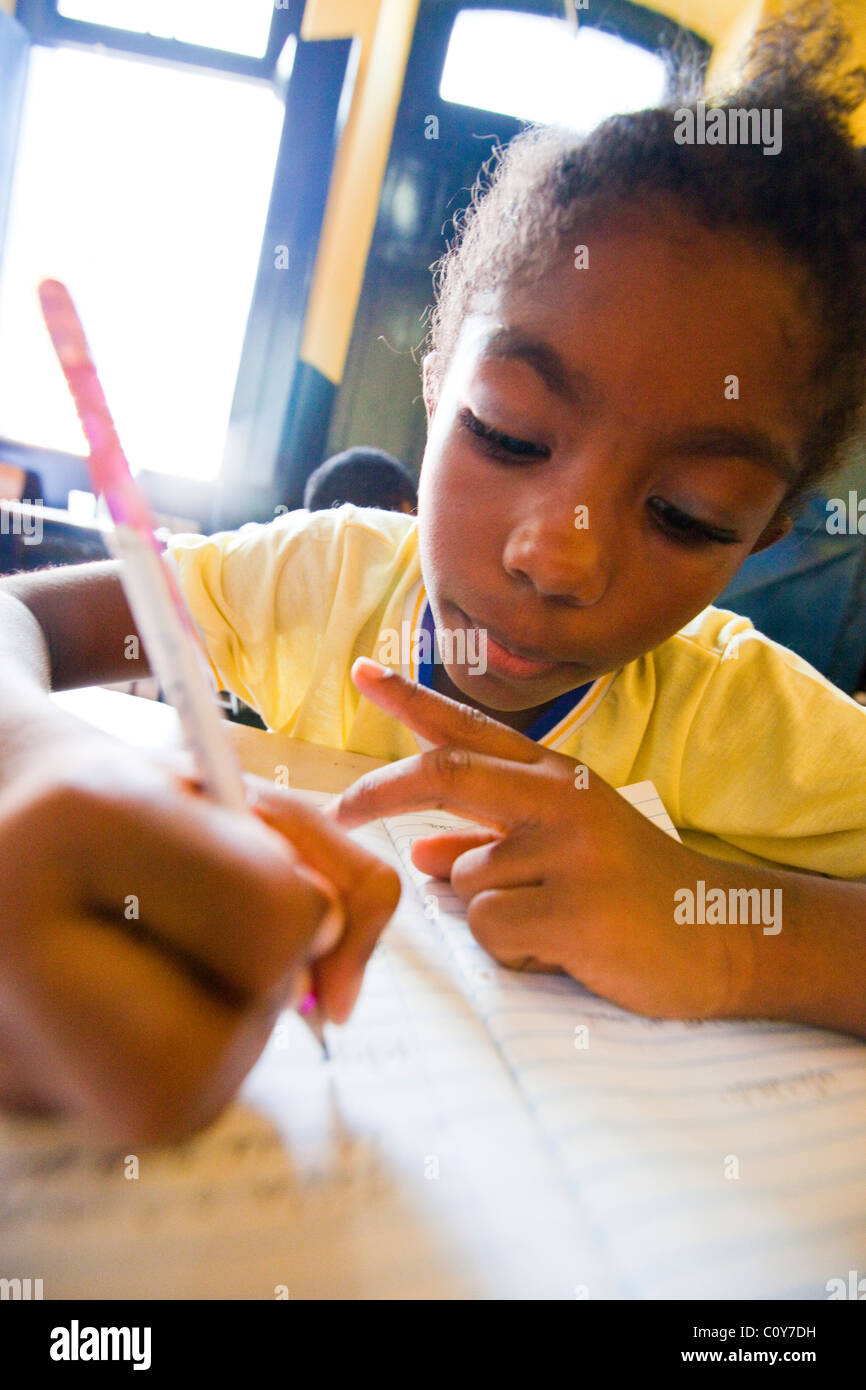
{"x":804,"y":959}
{"x":25,"y":661}
{"x":29,"y":720}
{"x":58,"y":629}
{"x":88,"y":633}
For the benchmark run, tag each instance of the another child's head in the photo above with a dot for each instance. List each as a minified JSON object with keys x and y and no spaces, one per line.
{"x":367,"y":477}
{"x":642,"y":354}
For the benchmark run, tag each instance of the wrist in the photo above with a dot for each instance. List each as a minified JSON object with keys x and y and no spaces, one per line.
{"x":776,"y":961}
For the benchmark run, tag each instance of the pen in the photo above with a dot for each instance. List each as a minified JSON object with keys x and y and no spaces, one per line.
{"x":151,"y":589}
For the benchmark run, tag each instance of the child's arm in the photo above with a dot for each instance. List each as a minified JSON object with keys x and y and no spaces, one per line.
{"x":82,"y":626}
{"x":572,"y":877}
{"x":148,"y":937}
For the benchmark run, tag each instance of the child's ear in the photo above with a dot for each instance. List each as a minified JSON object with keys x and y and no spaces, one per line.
{"x":772,"y":532}
{"x":432,"y":380}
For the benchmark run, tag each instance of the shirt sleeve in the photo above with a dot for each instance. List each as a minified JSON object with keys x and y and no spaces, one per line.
{"x":280,"y":606}
{"x":774,"y":763}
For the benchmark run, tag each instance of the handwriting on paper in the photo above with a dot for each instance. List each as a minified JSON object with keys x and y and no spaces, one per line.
{"x":806,"y":1085}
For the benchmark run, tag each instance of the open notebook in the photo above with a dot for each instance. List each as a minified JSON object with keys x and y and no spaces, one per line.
{"x":478,"y":1133}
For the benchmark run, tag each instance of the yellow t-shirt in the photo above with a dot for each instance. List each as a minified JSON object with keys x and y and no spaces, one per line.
{"x":755,"y":755}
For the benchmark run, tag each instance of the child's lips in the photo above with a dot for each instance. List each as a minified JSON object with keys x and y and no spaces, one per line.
{"x":504,"y":660}
{"x":507,"y":663}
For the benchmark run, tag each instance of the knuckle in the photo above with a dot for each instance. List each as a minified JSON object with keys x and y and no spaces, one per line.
{"x":463,"y":876}
{"x":448,"y":763}
{"x":63,"y":796}
{"x":362,"y":795}
{"x":470,"y":718}
{"x":471,"y":868}
{"x":384,"y":887}
{"x":481,"y":916}
{"x":86,"y":788}
{"x":62,"y":803}
{"x":371,"y":905}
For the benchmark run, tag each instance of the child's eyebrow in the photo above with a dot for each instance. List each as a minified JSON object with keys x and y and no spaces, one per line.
{"x":731,"y":441}
{"x":509,"y":343}
{"x":715,"y":440}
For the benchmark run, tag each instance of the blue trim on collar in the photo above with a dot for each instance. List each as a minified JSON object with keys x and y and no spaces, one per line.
{"x":561,"y":706}
{"x":425,"y":668}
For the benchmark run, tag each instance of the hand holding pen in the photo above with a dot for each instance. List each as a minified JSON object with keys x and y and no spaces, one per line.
{"x":159,"y":610}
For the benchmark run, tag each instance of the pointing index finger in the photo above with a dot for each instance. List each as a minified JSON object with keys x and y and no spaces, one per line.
{"x":438,"y":719}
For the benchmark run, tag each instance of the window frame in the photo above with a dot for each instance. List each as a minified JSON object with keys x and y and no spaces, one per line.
{"x":315,"y":101}
{"x":46,"y":26}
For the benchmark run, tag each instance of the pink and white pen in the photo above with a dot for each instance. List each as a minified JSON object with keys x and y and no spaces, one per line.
{"x":153,"y":594}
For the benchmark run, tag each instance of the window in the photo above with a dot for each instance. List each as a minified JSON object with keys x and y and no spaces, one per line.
{"x":145,"y":186}
{"x":539,"y":69}
{"x":226,"y":24}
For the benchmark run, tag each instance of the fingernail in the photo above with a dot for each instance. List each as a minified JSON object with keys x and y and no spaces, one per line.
{"x":370,"y":668}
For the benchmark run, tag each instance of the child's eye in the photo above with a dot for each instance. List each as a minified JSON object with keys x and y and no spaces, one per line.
{"x":688,"y":530}
{"x":499,"y":445}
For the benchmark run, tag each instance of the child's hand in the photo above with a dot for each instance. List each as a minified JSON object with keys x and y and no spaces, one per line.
{"x":151,"y":937}
{"x":573,"y":877}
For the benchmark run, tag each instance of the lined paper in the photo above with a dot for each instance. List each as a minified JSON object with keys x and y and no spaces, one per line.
{"x":479,"y":1133}
{"x":645,"y":798}
{"x":711,"y":1159}
{"x":407,"y":1167}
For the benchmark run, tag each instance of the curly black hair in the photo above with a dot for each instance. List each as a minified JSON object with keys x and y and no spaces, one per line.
{"x":368,"y":477}
{"x":808,"y":200}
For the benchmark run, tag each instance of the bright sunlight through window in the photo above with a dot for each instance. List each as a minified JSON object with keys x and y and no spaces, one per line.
{"x":145,"y":187}
{"x":539,"y":70}
{"x":237,"y":26}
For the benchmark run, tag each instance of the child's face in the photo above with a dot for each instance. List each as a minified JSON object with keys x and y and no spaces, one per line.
{"x":613,"y":384}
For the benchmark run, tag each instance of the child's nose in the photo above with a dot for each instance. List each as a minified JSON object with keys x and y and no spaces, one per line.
{"x":562,"y":556}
